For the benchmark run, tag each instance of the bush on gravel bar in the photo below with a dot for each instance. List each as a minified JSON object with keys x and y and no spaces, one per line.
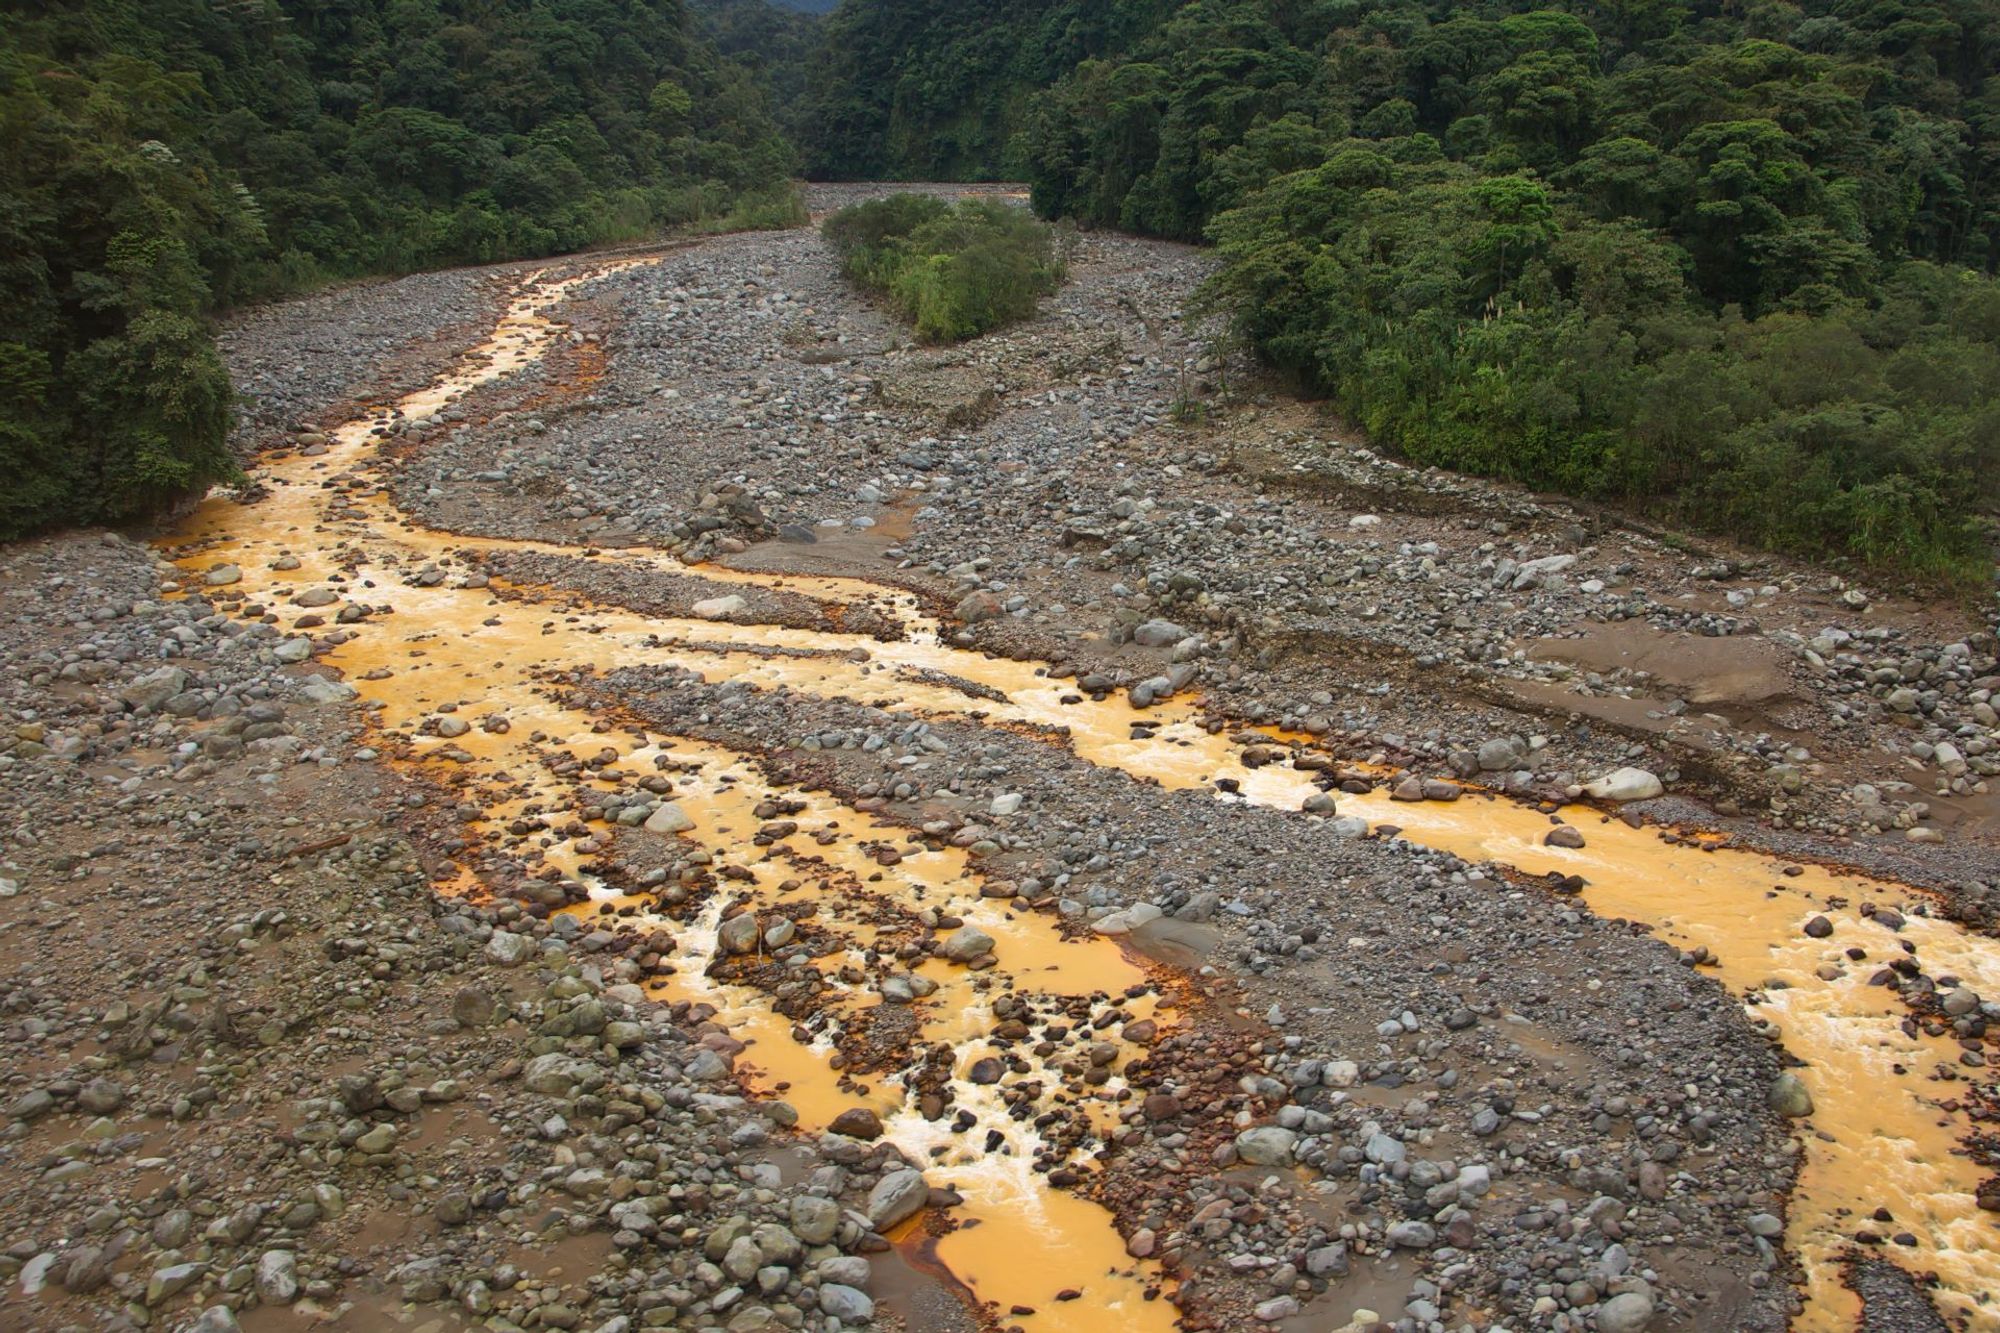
{"x":953,"y":272}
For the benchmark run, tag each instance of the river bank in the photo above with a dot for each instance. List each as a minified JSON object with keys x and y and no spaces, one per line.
{"x":745,"y":799}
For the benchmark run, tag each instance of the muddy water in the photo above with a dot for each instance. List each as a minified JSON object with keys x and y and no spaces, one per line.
{"x":1879,"y":1137}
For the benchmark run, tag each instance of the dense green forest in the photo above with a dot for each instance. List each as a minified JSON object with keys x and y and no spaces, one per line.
{"x":953,"y":271}
{"x":1733,"y":265}
{"x":1729,"y":263}
{"x":161,"y":159}
{"x":941,"y":89}
{"x":773,"y":45}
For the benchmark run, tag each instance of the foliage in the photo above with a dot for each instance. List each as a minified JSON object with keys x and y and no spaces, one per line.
{"x":937,"y":89}
{"x":1475,"y":323}
{"x":953,"y":272}
{"x":1587,"y":248}
{"x":775,"y":46}
{"x":161,"y":159}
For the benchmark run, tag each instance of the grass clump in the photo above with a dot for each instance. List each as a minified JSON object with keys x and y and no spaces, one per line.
{"x":954,"y":272}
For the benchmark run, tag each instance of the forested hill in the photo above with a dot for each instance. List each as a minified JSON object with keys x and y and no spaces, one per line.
{"x":1161,"y":107}
{"x":1731,"y":263}
{"x":163,"y":158}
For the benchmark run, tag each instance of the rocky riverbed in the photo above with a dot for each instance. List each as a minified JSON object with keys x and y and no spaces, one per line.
{"x":716,"y":817}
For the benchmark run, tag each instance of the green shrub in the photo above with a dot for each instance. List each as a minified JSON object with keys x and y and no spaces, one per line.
{"x":952,"y":272}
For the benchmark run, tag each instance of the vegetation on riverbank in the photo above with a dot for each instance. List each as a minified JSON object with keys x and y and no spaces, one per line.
{"x":1732,"y":265}
{"x":1729,"y":265}
{"x":163,"y":160}
{"x":1484,"y":325}
{"x":953,"y":271}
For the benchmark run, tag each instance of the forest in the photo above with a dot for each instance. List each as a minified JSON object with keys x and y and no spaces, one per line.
{"x":1732,"y":265}
{"x":1729,"y":265}
{"x":161,"y":160}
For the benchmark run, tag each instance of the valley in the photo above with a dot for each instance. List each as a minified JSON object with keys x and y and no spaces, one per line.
{"x":761,"y":824}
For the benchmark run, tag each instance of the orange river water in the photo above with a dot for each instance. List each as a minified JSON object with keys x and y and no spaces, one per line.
{"x":1878,"y":1135}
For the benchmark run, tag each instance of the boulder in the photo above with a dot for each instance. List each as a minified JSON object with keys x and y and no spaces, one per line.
{"x":508,"y":949}
{"x":815,"y":1220}
{"x":966,"y":943}
{"x":1625,"y":784}
{"x":721,"y":608}
{"x":1530,"y":573}
{"x":554,"y":1074}
{"x":1127,"y":920}
{"x":1790,"y":1097}
{"x":897,"y":1196}
{"x":277,"y":1277}
{"x":1959,"y":1002}
{"x":739,"y":934}
{"x":322,"y":690}
{"x":669,"y":818}
{"x":845,"y":1303}
{"x":1412,"y":1235}
{"x":1158,"y":634}
{"x":100,"y":1096}
{"x":1627,"y":1312}
{"x":1328,"y":1260}
{"x":979,"y":606}
{"x":857,"y":1122}
{"x":155,"y":687}
{"x":1266,"y":1145}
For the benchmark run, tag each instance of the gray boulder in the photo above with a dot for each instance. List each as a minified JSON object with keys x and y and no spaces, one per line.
{"x":1266,"y":1145}
{"x":897,"y":1196}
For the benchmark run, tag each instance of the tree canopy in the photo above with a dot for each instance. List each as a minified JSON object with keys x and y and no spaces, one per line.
{"x":161,"y":159}
{"x":1729,"y":262}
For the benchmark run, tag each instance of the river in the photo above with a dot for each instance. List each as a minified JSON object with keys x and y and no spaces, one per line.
{"x":1884,"y":1131}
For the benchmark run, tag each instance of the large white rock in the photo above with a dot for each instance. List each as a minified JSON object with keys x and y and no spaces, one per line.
{"x":1128,"y":920}
{"x":669,"y":818}
{"x":1625,"y":784}
{"x":155,"y":687}
{"x":277,"y":1277}
{"x":1531,"y":572}
{"x":966,"y":943}
{"x":324,"y":690}
{"x":508,"y":949}
{"x":1266,"y":1145}
{"x":1158,"y":634}
{"x":1628,"y":1312}
{"x":721,"y":608}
